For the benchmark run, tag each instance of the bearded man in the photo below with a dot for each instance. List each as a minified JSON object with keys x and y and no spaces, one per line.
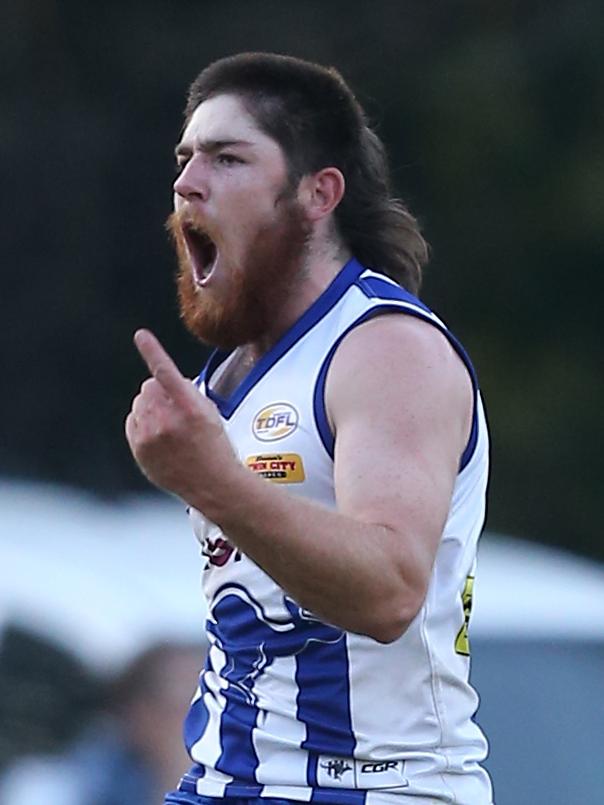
{"x":333,"y":456}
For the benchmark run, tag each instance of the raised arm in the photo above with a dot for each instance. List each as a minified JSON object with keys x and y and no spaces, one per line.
{"x":400,"y":403}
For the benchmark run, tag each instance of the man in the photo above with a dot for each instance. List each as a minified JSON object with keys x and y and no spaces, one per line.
{"x":334,"y":463}
{"x":130,"y":751}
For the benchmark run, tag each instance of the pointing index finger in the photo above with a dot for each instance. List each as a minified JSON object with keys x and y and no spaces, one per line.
{"x":161,"y":366}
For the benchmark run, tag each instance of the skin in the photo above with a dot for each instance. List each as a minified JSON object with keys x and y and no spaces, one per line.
{"x":370,"y":560}
{"x":232,"y":178}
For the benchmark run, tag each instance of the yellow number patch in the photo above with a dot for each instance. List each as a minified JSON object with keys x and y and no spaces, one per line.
{"x":462,"y":643}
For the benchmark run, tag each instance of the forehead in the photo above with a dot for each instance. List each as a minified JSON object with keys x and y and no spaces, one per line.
{"x":224,"y":118}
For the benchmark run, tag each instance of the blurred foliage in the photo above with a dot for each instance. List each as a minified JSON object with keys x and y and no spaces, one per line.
{"x":494,"y":117}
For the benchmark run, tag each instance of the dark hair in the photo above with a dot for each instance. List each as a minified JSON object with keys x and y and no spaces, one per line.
{"x":313,"y":115}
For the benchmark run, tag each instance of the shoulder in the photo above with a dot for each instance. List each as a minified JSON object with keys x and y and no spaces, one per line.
{"x":395,"y":335}
{"x":398,"y":359}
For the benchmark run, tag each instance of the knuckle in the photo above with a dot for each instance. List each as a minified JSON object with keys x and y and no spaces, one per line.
{"x":160,"y":430}
{"x":150,"y":387}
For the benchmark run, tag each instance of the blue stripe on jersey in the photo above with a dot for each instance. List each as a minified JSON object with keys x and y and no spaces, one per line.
{"x":248,"y":795}
{"x":182,"y":798}
{"x":338,"y":796}
{"x":335,"y":797}
{"x":238,"y":756}
{"x":196,"y":721}
{"x":178,"y":798}
{"x":241,"y":792}
{"x":311,"y":769}
{"x":399,"y":294}
{"x":376,"y":287}
{"x":197,"y":718}
{"x":188,"y":782}
{"x":320,"y":308}
{"x":239,"y":633}
{"x":323,"y":701}
{"x":251,"y":641}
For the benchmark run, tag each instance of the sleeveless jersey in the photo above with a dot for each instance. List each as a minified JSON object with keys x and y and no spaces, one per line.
{"x":291,"y":707}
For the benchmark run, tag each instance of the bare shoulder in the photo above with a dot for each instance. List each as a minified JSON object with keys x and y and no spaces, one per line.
{"x":403,"y":366}
{"x":400,"y":340}
{"x":400,"y":402}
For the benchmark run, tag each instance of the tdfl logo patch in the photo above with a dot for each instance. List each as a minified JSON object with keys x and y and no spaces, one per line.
{"x":275,"y":421}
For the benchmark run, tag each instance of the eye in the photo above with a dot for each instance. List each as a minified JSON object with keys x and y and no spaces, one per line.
{"x":228,"y":160}
{"x":180,"y":165}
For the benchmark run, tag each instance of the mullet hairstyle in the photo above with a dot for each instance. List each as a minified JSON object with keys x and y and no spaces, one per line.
{"x":310,"y":111}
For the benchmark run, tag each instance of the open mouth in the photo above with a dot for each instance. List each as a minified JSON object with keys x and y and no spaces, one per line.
{"x":202,"y":252}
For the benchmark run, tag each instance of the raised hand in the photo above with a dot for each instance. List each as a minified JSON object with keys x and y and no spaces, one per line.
{"x":175,"y":433}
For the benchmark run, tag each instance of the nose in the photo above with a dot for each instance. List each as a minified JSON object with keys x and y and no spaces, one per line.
{"x":191,"y":182}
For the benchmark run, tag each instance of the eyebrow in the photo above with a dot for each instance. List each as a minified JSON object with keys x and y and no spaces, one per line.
{"x":208,"y":146}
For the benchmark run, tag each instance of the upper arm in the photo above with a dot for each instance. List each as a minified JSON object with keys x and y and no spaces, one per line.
{"x":400,"y":402}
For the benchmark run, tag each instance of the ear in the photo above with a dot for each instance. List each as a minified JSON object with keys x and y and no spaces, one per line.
{"x":321,"y":192}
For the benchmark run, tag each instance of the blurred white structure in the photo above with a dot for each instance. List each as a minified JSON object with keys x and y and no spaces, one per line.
{"x":525,"y":590}
{"x":104,"y":580}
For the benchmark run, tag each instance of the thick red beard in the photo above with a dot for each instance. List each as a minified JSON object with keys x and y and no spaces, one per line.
{"x":269,"y":274}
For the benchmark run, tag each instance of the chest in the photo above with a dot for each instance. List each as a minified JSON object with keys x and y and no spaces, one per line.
{"x":274,"y":433}
{"x":231,"y":373}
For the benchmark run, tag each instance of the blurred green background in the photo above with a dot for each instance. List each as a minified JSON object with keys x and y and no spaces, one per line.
{"x":494,"y":117}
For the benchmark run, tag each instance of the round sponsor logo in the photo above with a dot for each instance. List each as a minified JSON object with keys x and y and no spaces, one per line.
{"x":275,"y":421}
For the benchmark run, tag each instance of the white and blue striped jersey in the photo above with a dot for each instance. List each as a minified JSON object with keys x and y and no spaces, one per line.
{"x":288,"y":706}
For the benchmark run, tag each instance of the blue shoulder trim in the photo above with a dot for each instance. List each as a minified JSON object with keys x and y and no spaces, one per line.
{"x":380,"y":288}
{"x":201,"y":377}
{"x":400,"y":295}
{"x":320,"y":308}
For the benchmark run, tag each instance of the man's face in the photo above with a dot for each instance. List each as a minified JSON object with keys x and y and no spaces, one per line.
{"x":239,"y":231}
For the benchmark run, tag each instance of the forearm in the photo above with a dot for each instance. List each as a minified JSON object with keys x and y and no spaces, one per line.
{"x":365,"y":567}
{"x":339,"y":568}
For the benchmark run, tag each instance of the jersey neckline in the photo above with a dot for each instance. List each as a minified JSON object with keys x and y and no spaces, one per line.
{"x":319,"y":308}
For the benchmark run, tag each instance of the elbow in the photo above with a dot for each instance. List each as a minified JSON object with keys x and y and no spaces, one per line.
{"x":394,"y":621}
{"x":388,"y":632}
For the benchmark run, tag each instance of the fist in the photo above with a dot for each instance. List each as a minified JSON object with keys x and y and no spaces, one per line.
{"x":175,"y":433}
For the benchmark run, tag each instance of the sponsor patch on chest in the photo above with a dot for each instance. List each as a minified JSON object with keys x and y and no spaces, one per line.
{"x":281,"y":468}
{"x":275,"y":421}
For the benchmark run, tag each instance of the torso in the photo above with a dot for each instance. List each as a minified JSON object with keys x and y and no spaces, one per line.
{"x":292,"y":707}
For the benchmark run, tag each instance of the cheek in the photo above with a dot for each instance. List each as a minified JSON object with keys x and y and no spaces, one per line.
{"x":254,"y":194}
{"x":250,"y":212}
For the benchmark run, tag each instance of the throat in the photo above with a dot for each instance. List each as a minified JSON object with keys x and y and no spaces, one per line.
{"x":233,"y":371}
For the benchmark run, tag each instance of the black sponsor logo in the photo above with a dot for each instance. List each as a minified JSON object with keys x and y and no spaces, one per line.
{"x":336,"y":768}
{"x":378,"y":768}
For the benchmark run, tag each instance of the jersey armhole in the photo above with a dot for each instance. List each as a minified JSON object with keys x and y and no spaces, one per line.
{"x":320,"y":413}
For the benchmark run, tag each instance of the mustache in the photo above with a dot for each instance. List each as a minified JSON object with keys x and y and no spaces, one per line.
{"x":180,"y":221}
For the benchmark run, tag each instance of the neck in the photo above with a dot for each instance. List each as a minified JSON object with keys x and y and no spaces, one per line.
{"x":321,"y":266}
